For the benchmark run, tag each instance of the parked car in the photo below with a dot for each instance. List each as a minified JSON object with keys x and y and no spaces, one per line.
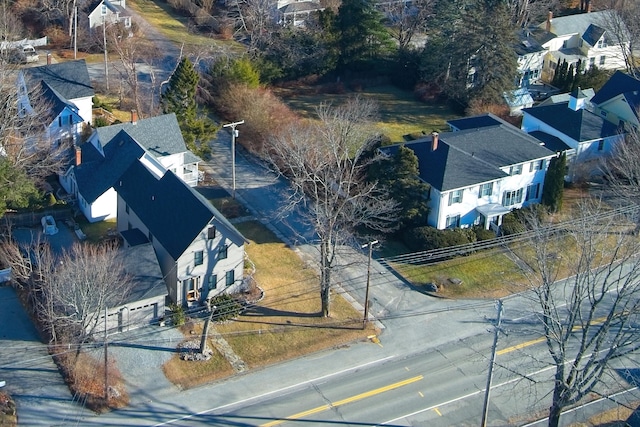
{"x":49,"y":226}
{"x":24,"y":54}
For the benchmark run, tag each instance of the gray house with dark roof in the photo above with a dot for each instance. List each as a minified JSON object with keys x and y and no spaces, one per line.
{"x":199,"y":251}
{"x":479,"y":172}
{"x":587,"y":135}
{"x":100,"y":12}
{"x":110,"y":150}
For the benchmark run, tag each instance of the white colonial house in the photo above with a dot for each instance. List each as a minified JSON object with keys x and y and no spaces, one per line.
{"x":531,"y":55}
{"x":200,"y":253}
{"x":98,"y":162}
{"x":571,"y":126}
{"x":479,"y":172}
{"x":582,"y":37}
{"x":66,"y":92}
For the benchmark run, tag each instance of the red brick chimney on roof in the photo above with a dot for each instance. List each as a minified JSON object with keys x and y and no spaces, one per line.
{"x":78,"y":156}
{"x":134,"y":117}
{"x":48,"y":58}
{"x":434,"y":141}
{"x":549,"y":18}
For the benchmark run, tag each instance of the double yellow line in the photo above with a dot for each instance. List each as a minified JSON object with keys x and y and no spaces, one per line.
{"x":344,"y":401}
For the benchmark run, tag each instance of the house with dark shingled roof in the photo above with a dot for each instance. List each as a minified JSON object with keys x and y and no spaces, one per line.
{"x":479,"y":172}
{"x":618,"y":100}
{"x":587,"y":135}
{"x":91,"y":177}
{"x":65,"y":89}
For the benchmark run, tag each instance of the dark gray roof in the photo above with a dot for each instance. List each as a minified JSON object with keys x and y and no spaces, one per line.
{"x":528,"y":42}
{"x":551,"y":142}
{"x":470,"y":157}
{"x":300,"y":6}
{"x":593,"y":34}
{"x":475,"y":122}
{"x":57,"y":103}
{"x":70,"y":79}
{"x":96,"y":174}
{"x":159,"y":135}
{"x":173,"y":212}
{"x":620,"y":84}
{"x":141,"y":264}
{"x":581,"y":125}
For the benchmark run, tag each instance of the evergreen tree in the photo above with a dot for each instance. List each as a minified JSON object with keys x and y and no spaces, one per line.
{"x":17,"y":189}
{"x":362,"y":36}
{"x":180,"y":98}
{"x":554,"y":183}
{"x":400,"y":175}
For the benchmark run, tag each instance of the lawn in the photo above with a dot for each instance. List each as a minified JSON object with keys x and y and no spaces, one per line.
{"x":399,"y":111}
{"x":174,"y":27}
{"x":488,"y":274}
{"x":286,"y":324}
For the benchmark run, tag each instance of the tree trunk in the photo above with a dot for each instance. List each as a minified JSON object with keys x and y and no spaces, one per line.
{"x":554,"y":415}
{"x":325,"y":280}
{"x":557,"y":403}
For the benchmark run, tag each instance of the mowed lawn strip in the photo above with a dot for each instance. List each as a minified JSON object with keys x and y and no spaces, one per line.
{"x":488,"y":274}
{"x":400,"y":113}
{"x":286,"y":324}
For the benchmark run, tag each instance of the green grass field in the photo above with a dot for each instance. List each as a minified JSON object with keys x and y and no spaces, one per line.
{"x":399,"y":111}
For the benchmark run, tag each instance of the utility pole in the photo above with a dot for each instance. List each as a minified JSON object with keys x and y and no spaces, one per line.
{"x":205,"y":329}
{"x":234,"y":134}
{"x":485,"y":409}
{"x":75,"y":31}
{"x":106,"y":61}
{"x":365,"y":319}
{"x":106,"y":369}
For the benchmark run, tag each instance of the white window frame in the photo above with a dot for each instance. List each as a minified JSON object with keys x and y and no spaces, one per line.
{"x":536,"y":166}
{"x":455,"y":196}
{"x":510,"y":198}
{"x":486,"y":190}
{"x":515,"y":170}
{"x":452,"y":221}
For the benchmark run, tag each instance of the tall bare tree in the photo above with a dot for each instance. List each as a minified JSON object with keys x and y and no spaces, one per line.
{"x":326,"y":162}
{"x":621,"y":23}
{"x":406,"y":19}
{"x":589,"y":319}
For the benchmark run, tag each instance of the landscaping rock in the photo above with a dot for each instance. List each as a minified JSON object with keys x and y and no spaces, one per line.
{"x":431,"y":287}
{"x":455,"y":281}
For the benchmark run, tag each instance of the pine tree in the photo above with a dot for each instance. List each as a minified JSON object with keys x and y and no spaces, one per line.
{"x":180,"y":98}
{"x":554,"y":183}
{"x":362,"y":36}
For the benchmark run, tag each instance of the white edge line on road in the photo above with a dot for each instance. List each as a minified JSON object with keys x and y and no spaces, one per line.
{"x":279,"y":391}
{"x":448,"y":402}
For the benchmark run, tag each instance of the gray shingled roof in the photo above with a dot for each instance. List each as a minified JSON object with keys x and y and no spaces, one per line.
{"x":58,"y":103}
{"x":141,"y":263}
{"x":475,"y":122}
{"x":575,"y":24}
{"x":527,"y":42}
{"x":470,"y":157}
{"x":581,"y":125}
{"x":551,"y":142}
{"x":96,"y":174}
{"x":173,"y":212}
{"x":159,"y":135}
{"x":70,"y":79}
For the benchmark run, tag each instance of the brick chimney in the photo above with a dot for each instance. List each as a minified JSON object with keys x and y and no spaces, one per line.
{"x":134,"y":117}
{"x":549,"y":18}
{"x":78,"y":156}
{"x":588,"y":6}
{"x":48,"y":58}
{"x":434,"y":140}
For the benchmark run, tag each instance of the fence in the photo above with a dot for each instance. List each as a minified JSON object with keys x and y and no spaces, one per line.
{"x":32,"y":219}
{"x":12,"y":45}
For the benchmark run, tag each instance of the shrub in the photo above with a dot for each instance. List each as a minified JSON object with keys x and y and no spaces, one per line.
{"x":177,"y":314}
{"x":517,"y":220}
{"x":226,"y":307}
{"x":483,"y":234}
{"x":429,"y":238}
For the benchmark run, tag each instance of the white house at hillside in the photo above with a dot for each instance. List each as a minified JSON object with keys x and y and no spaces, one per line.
{"x":65,"y":89}
{"x":98,"y":162}
{"x":479,"y":172}
{"x":582,"y":37}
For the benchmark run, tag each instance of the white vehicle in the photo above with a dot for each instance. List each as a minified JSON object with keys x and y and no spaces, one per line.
{"x":49,"y":227}
{"x":24,"y":54}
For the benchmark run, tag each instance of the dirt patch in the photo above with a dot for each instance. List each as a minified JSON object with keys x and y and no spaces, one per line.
{"x":8,"y":417}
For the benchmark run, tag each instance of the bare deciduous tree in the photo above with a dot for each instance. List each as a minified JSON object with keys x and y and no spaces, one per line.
{"x":588,"y":319}
{"x":406,"y":19}
{"x":326,"y":164}
{"x":621,"y":23}
{"x":86,"y":279}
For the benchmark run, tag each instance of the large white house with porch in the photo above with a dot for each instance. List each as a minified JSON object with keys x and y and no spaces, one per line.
{"x":479,"y":172}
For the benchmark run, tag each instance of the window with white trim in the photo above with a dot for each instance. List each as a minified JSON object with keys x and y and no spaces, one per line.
{"x":515,"y":170}
{"x":536,"y":166}
{"x":485,"y":190}
{"x":198,"y":258}
{"x":455,"y":197}
{"x":533,"y":192}
{"x":222,"y":252}
{"x":510,"y":198}
{"x":213,"y":281}
{"x":453,"y":221}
